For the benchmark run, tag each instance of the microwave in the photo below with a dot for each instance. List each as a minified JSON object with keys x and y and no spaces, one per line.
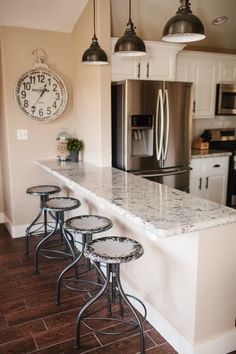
{"x":226,"y":99}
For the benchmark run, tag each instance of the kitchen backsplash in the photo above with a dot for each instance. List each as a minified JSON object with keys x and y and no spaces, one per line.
{"x":199,"y":125}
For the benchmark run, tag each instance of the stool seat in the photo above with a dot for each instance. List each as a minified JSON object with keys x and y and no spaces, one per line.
{"x":59,"y":204}
{"x":43,"y":190}
{"x":85,"y":224}
{"x":113,"y":249}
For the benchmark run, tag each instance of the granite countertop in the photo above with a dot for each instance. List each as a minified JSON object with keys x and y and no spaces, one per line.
{"x":162,"y":210}
{"x":196,"y":153}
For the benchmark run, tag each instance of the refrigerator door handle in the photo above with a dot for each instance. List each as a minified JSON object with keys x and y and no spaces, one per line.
{"x":159,"y":134}
{"x":167,"y":127}
{"x":163,"y":174}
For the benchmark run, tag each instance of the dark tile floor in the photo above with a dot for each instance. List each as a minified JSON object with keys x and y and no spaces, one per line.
{"x":31,"y":322}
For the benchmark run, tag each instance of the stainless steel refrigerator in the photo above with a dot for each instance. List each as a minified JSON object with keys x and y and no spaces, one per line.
{"x":151,"y":130}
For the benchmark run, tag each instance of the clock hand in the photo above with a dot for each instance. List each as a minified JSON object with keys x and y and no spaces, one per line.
{"x":41,"y":94}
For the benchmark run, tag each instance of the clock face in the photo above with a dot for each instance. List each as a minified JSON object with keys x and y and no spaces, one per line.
{"x":41,"y":95}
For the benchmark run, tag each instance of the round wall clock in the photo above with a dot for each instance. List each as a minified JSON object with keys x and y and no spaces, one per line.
{"x":41,"y":95}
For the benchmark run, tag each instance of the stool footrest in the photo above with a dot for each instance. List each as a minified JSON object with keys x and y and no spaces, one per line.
{"x":120,"y":319}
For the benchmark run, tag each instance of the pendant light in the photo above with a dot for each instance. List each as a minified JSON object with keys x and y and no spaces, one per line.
{"x":184,"y":26}
{"x":94,"y":55}
{"x":130,"y":44}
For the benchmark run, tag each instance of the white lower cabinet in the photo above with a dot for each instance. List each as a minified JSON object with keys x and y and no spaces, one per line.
{"x":208,"y":178}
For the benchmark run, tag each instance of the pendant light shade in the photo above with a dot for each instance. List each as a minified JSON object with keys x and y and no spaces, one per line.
{"x":94,"y":55}
{"x":130,"y":44}
{"x":184,"y":26}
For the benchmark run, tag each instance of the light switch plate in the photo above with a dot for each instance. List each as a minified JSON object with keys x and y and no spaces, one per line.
{"x":22,"y":134}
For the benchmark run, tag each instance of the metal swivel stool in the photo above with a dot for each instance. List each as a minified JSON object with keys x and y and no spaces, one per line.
{"x":36,"y":227}
{"x":113,"y":251}
{"x":86,"y":225}
{"x":49,"y":248}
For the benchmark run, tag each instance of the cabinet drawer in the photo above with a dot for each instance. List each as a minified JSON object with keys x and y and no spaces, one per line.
{"x":209,"y":164}
{"x":217,"y":163}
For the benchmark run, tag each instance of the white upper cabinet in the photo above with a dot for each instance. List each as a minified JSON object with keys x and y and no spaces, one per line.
{"x":201,"y":69}
{"x":158,"y":64}
{"x":205,"y":70}
{"x":227,"y":69}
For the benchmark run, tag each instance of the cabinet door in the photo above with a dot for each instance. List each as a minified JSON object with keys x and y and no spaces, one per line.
{"x":227,"y":69}
{"x":216,"y":188}
{"x":158,"y":66}
{"x":122,"y":67}
{"x":201,"y":69}
{"x":208,"y":178}
{"x":196,"y":186}
{"x":204,"y":78}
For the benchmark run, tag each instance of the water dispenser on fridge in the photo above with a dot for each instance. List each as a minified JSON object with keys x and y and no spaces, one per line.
{"x":141,"y":135}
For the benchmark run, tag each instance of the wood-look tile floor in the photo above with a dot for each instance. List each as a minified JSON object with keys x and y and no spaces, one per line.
{"x":31,"y":322}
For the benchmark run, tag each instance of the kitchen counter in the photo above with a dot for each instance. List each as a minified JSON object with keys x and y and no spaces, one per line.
{"x":186,"y":276}
{"x":162,"y":210}
{"x":197,"y":153}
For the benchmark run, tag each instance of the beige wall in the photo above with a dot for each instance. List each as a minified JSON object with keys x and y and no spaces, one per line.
{"x":92,"y":86}
{"x":1,"y":155}
{"x":87,"y":114}
{"x":19,"y":171}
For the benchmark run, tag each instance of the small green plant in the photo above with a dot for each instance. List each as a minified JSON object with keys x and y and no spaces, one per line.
{"x":74,"y":144}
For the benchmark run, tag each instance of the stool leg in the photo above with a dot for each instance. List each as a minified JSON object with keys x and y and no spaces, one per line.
{"x":87,"y":305}
{"x":76,"y":260}
{"x":28,"y":232}
{"x":132,"y":309}
{"x":45,"y":221}
{"x":71,"y":248}
{"x":42,"y":242}
{"x":43,"y":200}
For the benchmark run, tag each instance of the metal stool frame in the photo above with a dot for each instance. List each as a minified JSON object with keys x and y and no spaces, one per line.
{"x":64,"y":235}
{"x":111,"y":289}
{"x":44,"y":197}
{"x":87,"y":236}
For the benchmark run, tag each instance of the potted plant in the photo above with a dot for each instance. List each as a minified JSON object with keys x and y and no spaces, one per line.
{"x":74,"y":145}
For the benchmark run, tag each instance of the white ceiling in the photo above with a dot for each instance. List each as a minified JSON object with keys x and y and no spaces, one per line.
{"x":149,"y":16}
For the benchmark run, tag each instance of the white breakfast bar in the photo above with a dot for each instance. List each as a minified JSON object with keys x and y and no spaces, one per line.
{"x":187,"y":275}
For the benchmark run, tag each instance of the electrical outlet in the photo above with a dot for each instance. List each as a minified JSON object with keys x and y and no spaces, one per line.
{"x":22,"y":134}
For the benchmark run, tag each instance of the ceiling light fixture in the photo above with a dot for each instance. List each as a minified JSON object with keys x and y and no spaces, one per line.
{"x":94,"y":55}
{"x":130,"y":44}
{"x":184,"y":26}
{"x":219,"y":20}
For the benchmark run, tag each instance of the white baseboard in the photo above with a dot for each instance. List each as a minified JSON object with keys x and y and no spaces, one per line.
{"x":15,"y":231}
{"x":218,"y":345}
{"x":225,"y":343}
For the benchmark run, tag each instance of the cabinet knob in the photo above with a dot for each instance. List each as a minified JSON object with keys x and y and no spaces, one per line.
{"x":207,"y":183}
{"x":138,"y":70}
{"x":200,"y":183}
{"x":194,"y":106}
{"x":147,"y":70}
{"x":216,"y":165}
